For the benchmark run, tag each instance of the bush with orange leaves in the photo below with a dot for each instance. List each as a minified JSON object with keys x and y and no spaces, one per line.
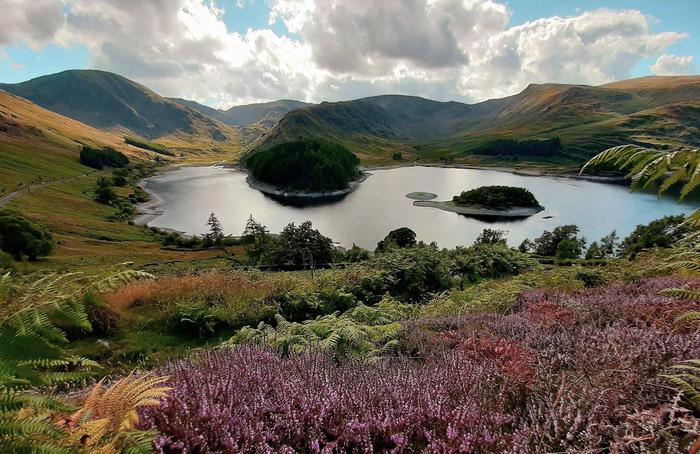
{"x":207,"y":303}
{"x":512,"y":360}
{"x":208,"y":299}
{"x":106,"y":423}
{"x":551,"y":314}
{"x":213,"y":286}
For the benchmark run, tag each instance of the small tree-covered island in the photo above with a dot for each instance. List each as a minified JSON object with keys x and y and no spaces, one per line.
{"x":490,"y":201}
{"x":305,"y":168}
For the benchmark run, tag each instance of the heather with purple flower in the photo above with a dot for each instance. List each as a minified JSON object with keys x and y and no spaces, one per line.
{"x":567,"y":372}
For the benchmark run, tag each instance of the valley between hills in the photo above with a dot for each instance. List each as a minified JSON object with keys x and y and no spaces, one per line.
{"x":546,"y":129}
{"x":391,"y":323}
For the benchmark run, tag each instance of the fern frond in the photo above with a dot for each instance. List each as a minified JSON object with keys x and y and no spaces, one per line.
{"x":139,"y":442}
{"x":18,"y":445}
{"x":31,"y":354}
{"x":682,"y":293}
{"x":14,"y":401}
{"x":107,"y":418}
{"x":689,"y":317}
{"x":688,"y":381}
{"x":14,"y":427}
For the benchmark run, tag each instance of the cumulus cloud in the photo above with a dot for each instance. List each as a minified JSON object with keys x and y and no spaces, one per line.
{"x":594,"y":47}
{"x":368,"y":37}
{"x":183,"y":48}
{"x":32,"y":22}
{"x":673,"y":65}
{"x":443,"y":49}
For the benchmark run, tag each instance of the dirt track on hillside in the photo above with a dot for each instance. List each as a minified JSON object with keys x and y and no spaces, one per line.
{"x":7,"y":198}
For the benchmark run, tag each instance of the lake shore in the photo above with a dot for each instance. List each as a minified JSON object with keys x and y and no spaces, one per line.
{"x":153,"y":208}
{"x":148,"y":211}
{"x":365,"y":216}
{"x":477,"y":211}
{"x":513,"y":170}
{"x":318,"y":196}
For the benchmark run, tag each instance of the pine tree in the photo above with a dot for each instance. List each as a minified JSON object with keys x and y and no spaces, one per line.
{"x":258,"y":238}
{"x":216,"y":232}
{"x":254,"y":231}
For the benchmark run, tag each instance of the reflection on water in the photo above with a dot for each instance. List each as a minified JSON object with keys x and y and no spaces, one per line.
{"x":379,"y":205}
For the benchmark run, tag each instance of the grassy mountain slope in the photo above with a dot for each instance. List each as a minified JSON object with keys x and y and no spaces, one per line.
{"x":265,"y":114}
{"x":39,"y":145}
{"x":587,"y":118}
{"x":109,"y":101}
{"x":39,"y":163}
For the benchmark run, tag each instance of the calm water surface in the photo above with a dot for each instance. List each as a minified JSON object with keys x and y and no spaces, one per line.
{"x":379,"y":205}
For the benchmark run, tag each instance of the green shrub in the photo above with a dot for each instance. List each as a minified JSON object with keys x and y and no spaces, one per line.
{"x":119,"y":177}
{"x":305,"y":165}
{"x":664,"y":232}
{"x":302,"y":245}
{"x":400,"y":238}
{"x":492,"y":236}
{"x":497,"y":197}
{"x":489,"y":261}
{"x":569,"y":249}
{"x":360,"y":332}
{"x":547,"y":245}
{"x":509,"y":147}
{"x":104,"y":192}
{"x":100,"y":158}
{"x":19,"y":236}
{"x":499,"y":296}
{"x":125,"y":210}
{"x":590,"y":278}
{"x":355,"y":254}
{"x":408,"y":274}
{"x":140,"y":143}
{"x":195,"y":315}
{"x":300,"y":306}
{"x":139,"y":196}
{"x":6,"y":262}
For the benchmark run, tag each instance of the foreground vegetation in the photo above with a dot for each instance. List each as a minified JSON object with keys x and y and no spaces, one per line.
{"x":565,"y":372}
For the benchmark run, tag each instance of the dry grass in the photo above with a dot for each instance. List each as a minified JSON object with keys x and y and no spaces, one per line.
{"x":213,"y":286}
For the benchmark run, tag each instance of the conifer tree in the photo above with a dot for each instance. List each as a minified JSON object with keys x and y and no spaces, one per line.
{"x":216,"y":232}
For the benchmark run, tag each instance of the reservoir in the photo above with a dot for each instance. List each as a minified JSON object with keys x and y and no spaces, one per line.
{"x":187,"y":196}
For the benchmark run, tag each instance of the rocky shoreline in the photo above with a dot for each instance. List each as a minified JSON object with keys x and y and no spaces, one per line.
{"x":477,"y":211}
{"x":321,"y":196}
{"x":514,"y":170}
{"x":148,"y":211}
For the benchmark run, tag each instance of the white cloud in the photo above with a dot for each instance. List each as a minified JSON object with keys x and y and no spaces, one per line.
{"x":33,"y":22}
{"x":594,"y":47}
{"x":673,"y":65}
{"x":368,"y":37}
{"x":443,"y":49}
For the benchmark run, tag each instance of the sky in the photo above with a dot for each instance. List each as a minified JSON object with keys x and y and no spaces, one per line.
{"x":231,"y":52}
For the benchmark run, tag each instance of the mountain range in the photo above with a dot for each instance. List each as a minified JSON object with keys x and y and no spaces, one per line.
{"x":266,"y":114}
{"x":588,"y":119}
{"x":585,"y":118}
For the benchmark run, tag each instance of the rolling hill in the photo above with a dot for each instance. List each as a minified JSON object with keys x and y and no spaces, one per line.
{"x":265,"y":114}
{"x":587,"y":118}
{"x":109,"y":101}
{"x":39,"y":145}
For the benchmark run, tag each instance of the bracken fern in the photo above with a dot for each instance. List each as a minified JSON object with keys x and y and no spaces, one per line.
{"x":105,"y":423}
{"x":32,"y":356}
